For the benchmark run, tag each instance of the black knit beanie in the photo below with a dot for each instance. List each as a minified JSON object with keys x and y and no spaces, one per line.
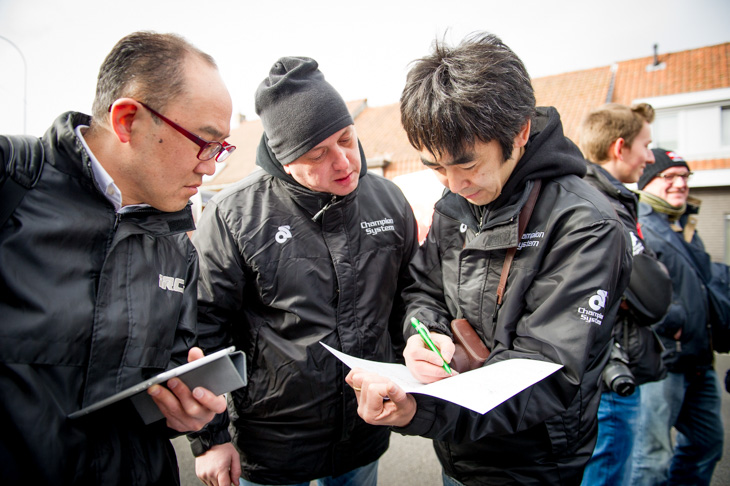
{"x":663,"y":159}
{"x":298,"y":108}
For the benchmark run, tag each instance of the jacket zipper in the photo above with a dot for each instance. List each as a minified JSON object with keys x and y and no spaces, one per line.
{"x":319,"y":214}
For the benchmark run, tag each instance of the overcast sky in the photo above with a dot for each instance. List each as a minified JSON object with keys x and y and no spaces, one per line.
{"x":363,"y":47}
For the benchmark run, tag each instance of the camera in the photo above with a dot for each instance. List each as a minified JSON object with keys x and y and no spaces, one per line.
{"x":616,"y":374}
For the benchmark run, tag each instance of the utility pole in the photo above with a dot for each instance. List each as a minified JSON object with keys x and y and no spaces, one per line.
{"x":25,"y":82}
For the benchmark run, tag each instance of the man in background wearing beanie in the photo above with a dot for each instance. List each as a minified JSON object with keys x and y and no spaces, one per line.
{"x":615,"y":139}
{"x":689,"y":397}
{"x":310,"y":249}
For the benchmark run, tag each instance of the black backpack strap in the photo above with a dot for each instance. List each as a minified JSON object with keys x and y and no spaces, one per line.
{"x":23,"y":164}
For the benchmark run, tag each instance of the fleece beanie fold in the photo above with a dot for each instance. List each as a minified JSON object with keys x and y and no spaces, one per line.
{"x":298,"y":108}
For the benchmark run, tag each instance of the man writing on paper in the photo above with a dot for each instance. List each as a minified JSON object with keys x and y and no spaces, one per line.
{"x":311,"y":248}
{"x":98,"y":278}
{"x":471,"y":112}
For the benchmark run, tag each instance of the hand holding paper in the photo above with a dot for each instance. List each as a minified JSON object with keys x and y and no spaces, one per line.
{"x":380,"y":400}
{"x":480,"y":390}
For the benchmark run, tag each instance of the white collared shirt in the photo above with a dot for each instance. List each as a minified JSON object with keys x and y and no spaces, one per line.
{"x":103,"y":180}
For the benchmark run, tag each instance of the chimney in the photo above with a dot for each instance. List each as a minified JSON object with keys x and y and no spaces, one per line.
{"x":656,"y":65}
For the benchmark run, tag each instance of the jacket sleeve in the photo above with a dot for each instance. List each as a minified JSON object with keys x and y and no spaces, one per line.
{"x":676,"y":316}
{"x":424,"y":298}
{"x":4,"y":160}
{"x":220,"y":295}
{"x":220,"y":289}
{"x":410,"y":247}
{"x":580,"y":261}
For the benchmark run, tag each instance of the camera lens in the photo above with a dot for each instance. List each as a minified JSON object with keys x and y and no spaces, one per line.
{"x":617,"y":375}
{"x":623,"y":385}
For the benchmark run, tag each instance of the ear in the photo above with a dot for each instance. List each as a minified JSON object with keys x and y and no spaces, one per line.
{"x":287,"y":169}
{"x":121,"y":117}
{"x":615,"y":150}
{"x":524,"y":135}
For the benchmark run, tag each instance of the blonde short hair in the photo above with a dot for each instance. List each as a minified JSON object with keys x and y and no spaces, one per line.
{"x":604,"y":125}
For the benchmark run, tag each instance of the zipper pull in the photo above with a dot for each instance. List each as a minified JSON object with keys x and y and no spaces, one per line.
{"x":319,"y":214}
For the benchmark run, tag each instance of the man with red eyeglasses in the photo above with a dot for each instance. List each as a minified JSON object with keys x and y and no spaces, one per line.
{"x":98,"y":279}
{"x":688,"y":399}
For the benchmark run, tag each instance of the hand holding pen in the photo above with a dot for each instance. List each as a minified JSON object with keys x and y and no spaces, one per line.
{"x":428,"y":354}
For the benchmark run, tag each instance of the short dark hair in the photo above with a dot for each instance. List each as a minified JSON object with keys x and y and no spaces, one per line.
{"x":476,"y":91}
{"x":147,"y":66}
{"x":606,"y":124}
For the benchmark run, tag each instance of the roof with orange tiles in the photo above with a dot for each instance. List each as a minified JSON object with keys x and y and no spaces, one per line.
{"x":574,"y":94}
{"x":382,"y":136}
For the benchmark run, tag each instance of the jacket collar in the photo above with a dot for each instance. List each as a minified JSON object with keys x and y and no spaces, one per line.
{"x":68,"y":155}
{"x":502,"y":222}
{"x":611,"y":186}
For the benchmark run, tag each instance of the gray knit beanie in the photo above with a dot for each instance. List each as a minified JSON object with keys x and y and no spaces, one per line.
{"x":663,"y":159}
{"x":298,"y":108}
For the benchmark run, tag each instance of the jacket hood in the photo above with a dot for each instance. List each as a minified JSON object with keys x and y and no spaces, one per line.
{"x":61,"y":140}
{"x":548,"y":154}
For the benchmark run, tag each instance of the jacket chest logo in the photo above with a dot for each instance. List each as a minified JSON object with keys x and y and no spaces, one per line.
{"x":531,"y":239}
{"x":283,"y":234}
{"x":373,"y":228}
{"x":172,"y":283}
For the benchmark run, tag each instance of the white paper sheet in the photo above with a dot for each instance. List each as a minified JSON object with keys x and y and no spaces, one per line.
{"x":480,"y":390}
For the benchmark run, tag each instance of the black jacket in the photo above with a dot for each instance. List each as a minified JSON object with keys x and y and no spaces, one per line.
{"x":632,"y":329}
{"x":84,"y":315}
{"x":275,"y":282}
{"x":562,"y":295}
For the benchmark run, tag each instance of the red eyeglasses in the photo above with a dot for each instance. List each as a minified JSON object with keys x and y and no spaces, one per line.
{"x":208,"y":150}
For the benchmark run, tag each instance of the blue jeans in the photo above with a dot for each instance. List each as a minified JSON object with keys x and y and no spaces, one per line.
{"x":691,"y":403}
{"x":617,"y":418}
{"x":362,"y":476}
{"x":449,"y":481}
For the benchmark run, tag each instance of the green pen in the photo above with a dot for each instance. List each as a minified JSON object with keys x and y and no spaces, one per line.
{"x":426,"y":336}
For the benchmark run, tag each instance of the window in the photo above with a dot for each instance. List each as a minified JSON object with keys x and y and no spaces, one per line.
{"x":725,"y":126}
{"x":695,"y":124}
{"x":664,"y":131}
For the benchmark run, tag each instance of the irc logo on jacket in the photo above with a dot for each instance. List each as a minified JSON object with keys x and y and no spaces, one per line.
{"x":172,"y":283}
{"x":597,"y":303}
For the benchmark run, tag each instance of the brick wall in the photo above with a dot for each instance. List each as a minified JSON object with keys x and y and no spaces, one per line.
{"x":712,"y":222}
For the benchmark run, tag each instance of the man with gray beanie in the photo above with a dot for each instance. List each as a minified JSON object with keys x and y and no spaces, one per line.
{"x":688,"y":399}
{"x":310,"y":249}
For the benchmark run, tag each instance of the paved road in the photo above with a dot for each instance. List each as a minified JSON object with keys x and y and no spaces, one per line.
{"x":410,"y":461}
